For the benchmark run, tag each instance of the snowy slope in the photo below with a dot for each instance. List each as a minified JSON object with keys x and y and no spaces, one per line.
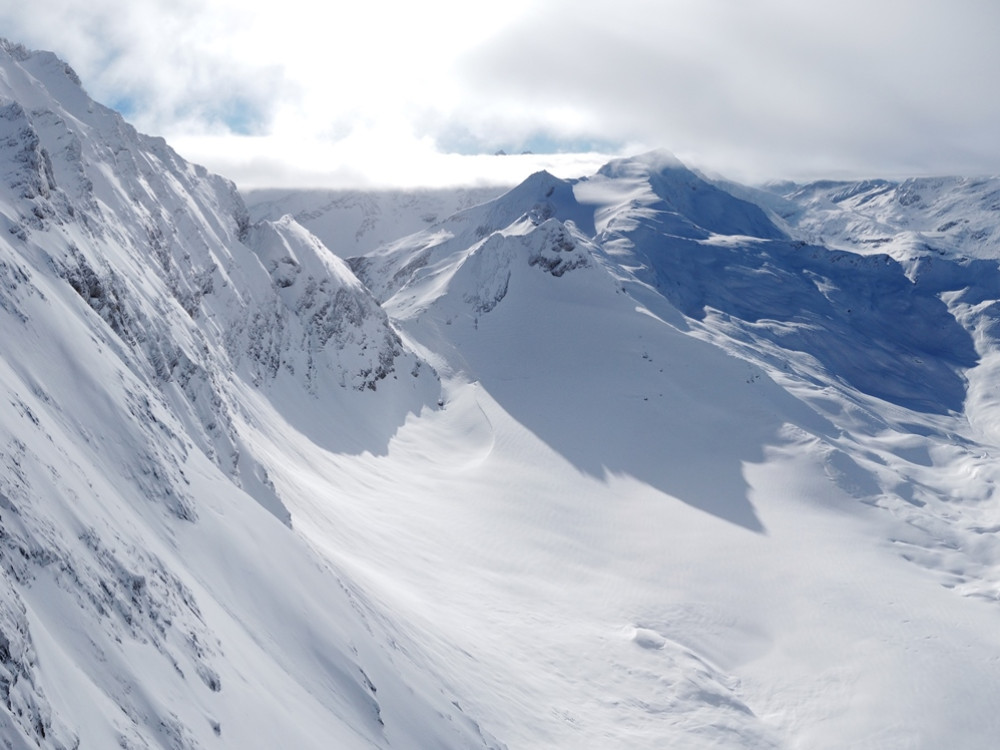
{"x":717,"y":487}
{"x":948,"y":216}
{"x":153,"y":594}
{"x":631,"y":460}
{"x":352,"y":222}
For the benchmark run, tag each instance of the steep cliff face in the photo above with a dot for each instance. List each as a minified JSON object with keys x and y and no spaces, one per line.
{"x":152,"y":594}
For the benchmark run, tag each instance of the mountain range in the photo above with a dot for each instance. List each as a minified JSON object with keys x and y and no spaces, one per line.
{"x":639,"y":459}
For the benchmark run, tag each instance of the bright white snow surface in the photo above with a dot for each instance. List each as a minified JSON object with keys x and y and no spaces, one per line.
{"x":352,"y":222}
{"x":626,"y":461}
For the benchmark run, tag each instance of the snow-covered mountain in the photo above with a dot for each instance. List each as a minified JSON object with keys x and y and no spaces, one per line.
{"x":728,"y":442}
{"x":950,"y":216}
{"x":352,"y":222}
{"x":635,"y":460}
{"x":153,"y":592}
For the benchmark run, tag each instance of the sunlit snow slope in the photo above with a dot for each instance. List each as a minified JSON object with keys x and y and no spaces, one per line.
{"x":152,"y":593}
{"x":352,"y":222}
{"x":620,"y":462}
{"x":713,"y":485}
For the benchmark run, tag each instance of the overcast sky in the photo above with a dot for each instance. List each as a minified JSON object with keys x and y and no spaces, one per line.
{"x":409,"y":93}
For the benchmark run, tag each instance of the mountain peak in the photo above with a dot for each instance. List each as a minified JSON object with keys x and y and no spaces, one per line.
{"x":540,"y":187}
{"x":542,"y":195}
{"x":21,"y":54}
{"x":542,"y":492}
{"x":628,"y":188}
{"x":15,"y":50}
{"x":642,"y":165}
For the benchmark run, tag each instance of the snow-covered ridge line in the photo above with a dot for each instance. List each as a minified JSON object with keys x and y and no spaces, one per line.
{"x":149,"y":326}
{"x":630,"y":460}
{"x":352,"y":222}
{"x":941,"y":216}
{"x":873,"y":368}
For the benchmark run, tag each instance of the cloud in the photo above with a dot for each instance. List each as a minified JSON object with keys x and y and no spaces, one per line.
{"x":342,"y":92}
{"x":164,"y":61}
{"x":772,"y":85}
{"x":367,"y":159}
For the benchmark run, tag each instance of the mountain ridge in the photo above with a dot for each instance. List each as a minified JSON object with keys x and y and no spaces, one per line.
{"x":141,"y":319}
{"x":623,"y":460}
